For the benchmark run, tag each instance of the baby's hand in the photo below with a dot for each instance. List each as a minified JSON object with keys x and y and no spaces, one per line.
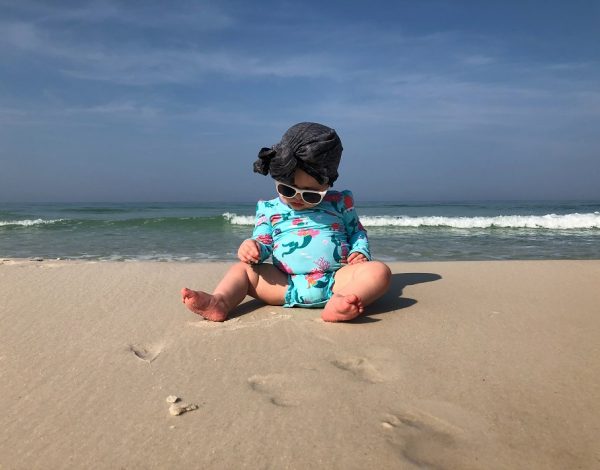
{"x":356,"y":258}
{"x":249,"y":252}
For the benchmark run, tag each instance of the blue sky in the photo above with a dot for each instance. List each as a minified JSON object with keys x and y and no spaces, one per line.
{"x":171,"y":101}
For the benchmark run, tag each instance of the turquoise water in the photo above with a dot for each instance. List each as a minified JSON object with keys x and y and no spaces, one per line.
{"x":397,"y":231}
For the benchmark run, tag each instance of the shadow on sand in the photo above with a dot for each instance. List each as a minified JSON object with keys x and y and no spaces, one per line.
{"x":392,"y":299}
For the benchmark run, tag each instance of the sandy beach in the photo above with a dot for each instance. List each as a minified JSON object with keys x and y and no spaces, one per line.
{"x":462,"y":365}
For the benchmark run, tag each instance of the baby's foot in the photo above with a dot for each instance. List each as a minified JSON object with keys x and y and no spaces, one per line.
{"x":209,"y":306}
{"x":342,"y":308}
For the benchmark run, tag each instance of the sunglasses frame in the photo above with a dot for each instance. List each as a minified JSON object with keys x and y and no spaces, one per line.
{"x":301,"y":192}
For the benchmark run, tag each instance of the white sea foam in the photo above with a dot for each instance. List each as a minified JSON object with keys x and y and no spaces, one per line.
{"x":235,"y":219}
{"x":548,"y":221}
{"x":28,"y":222}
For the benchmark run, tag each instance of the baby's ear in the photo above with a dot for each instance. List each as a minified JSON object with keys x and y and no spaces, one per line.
{"x":264,"y":160}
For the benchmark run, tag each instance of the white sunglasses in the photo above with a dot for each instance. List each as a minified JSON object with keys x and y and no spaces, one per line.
{"x":308,"y":195}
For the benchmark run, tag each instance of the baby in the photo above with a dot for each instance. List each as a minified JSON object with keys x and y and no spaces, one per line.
{"x":320,"y":250}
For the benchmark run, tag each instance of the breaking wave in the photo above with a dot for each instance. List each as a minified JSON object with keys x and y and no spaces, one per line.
{"x":28,"y":222}
{"x":549,"y":221}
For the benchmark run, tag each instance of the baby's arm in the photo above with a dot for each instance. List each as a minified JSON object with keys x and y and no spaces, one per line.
{"x":258,"y":248}
{"x":357,"y":235}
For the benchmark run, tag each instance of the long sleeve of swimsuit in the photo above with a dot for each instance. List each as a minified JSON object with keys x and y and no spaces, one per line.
{"x":263,"y":231}
{"x":357,"y":235}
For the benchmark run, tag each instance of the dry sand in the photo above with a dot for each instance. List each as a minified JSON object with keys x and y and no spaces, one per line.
{"x":461,"y":365}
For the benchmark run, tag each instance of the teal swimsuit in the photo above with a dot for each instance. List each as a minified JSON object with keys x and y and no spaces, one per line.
{"x":310,"y":245}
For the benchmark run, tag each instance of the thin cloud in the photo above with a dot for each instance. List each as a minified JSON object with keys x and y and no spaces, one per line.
{"x":197,"y":15}
{"x":118,"y":108}
{"x":570,"y":66}
{"x":134,"y":65}
{"x":478,"y":60}
{"x":187,"y":67}
{"x":441,"y":103}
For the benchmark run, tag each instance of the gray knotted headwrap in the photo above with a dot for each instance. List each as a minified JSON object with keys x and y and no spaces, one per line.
{"x":312,"y":147}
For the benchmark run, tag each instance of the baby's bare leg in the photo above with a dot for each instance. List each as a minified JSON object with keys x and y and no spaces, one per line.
{"x":356,"y":286}
{"x":262,"y":281}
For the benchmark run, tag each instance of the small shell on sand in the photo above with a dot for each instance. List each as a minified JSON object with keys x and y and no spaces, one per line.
{"x":172,"y":399}
{"x":177,"y":409}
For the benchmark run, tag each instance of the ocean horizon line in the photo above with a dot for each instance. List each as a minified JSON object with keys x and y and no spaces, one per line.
{"x":360,"y":200}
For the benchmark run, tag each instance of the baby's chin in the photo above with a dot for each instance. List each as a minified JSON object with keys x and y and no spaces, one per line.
{"x":296,"y":206}
{"x":299,"y":206}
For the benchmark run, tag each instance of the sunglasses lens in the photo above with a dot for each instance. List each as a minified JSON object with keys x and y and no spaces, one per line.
{"x":311,"y":198}
{"x":286,"y":191}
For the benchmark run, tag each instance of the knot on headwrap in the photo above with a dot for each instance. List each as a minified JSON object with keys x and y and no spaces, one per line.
{"x":312,"y":147}
{"x":264,"y":160}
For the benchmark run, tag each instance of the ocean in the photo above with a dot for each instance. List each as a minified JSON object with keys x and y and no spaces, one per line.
{"x":398,"y":231}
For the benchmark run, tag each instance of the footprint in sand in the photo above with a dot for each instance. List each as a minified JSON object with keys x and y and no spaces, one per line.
{"x":431,"y":441}
{"x":273,"y":387}
{"x":146,"y":353}
{"x":360,"y":368}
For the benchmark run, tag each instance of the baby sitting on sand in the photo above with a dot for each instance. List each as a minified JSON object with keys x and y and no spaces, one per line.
{"x":320,"y":249}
